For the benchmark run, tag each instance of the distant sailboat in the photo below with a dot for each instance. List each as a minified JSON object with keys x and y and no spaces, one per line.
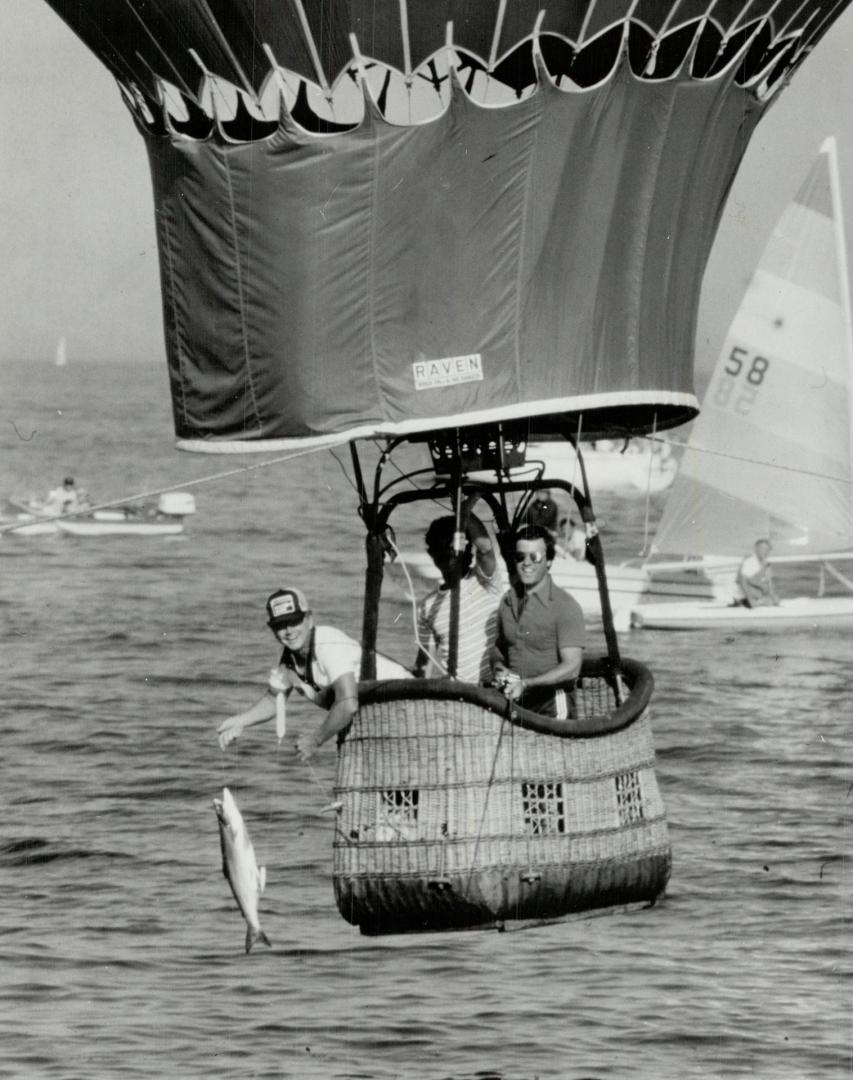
{"x":61,"y":358}
{"x":632,"y":467}
{"x":771,"y":455}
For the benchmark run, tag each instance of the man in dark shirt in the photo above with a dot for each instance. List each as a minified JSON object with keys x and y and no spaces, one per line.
{"x":541,"y":633}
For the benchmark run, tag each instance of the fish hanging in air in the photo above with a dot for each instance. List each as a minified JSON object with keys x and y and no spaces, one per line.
{"x":239,"y":865}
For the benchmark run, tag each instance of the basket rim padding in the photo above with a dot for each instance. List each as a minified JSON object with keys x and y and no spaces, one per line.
{"x":637,"y":676}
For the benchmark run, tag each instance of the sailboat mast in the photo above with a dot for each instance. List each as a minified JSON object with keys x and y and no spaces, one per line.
{"x":829,"y":147}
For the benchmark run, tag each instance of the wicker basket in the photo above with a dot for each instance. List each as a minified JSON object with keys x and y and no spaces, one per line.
{"x":456,"y":814}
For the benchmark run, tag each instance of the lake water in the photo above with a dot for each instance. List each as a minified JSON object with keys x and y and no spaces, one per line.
{"x":121,"y":951}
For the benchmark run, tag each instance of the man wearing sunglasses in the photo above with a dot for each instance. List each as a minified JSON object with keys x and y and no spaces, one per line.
{"x":321,"y":663}
{"x":541,"y":633}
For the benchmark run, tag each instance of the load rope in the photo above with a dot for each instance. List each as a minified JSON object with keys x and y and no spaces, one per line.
{"x":156,"y":492}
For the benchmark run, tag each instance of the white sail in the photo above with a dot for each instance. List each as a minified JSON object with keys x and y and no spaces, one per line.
{"x":770,"y":454}
{"x":61,"y":357}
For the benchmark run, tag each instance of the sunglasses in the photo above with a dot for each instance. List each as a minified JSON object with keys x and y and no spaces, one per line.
{"x":536,"y":557}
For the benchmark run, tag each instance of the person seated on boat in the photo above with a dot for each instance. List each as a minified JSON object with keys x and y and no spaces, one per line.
{"x":573,"y":539}
{"x":65,"y":499}
{"x":320,"y":662}
{"x":755,"y":580}
{"x":569,"y":537}
{"x":541,"y":633}
{"x":481,"y":586}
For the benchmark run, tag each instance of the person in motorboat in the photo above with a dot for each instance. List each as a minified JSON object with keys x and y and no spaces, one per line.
{"x":481,"y":586}
{"x":320,"y":662}
{"x":65,"y":499}
{"x":541,"y":633}
{"x":755,"y":580}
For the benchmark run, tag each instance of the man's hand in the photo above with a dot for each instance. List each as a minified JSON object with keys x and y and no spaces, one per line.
{"x":306,"y":746}
{"x":229,"y":730}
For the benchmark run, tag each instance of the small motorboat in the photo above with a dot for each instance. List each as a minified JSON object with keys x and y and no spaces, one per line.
{"x":166,"y":518}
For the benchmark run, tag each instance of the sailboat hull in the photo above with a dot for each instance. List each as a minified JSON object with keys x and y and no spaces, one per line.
{"x":805,"y":613}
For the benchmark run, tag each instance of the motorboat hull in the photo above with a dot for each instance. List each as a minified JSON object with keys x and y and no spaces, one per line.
{"x":125,"y":527}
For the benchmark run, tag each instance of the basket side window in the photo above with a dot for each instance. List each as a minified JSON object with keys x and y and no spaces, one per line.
{"x":544,"y":808}
{"x":397,"y":814}
{"x":629,"y":797}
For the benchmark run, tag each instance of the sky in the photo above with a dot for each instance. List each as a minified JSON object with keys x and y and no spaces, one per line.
{"x":77,"y":218}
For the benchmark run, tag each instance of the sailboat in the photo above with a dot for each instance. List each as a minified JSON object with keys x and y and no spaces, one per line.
{"x":627,"y":466}
{"x":61,"y":356}
{"x":770,"y":454}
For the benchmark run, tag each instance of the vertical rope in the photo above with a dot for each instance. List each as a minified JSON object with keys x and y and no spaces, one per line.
{"x":652,"y":445}
{"x":489,"y":786}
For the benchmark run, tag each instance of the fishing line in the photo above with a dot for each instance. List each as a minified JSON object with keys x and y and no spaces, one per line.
{"x":489,"y":786}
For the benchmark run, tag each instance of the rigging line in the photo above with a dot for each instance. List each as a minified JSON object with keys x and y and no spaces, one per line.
{"x":412,"y":598}
{"x":646,"y":527}
{"x":229,"y":52}
{"x":328,"y":795}
{"x":182,"y":485}
{"x":496,"y":36}
{"x":504,"y":720}
{"x":754,"y":461}
{"x":312,"y":49}
{"x":407,"y":46}
{"x":343,"y":469}
{"x":393,"y":464}
{"x":153,"y":39}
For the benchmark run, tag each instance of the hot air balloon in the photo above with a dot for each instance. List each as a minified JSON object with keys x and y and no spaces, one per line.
{"x":455,"y":224}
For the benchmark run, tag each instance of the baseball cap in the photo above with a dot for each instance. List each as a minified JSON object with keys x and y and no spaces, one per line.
{"x":286,"y":607}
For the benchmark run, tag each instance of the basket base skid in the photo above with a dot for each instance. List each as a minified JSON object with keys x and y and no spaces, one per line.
{"x":497,"y":899}
{"x":507,"y":926}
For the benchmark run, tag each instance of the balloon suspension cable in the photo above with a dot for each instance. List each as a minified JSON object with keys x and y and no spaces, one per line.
{"x":578,"y":466}
{"x":407,"y":45}
{"x":312,"y":49}
{"x":646,"y":527}
{"x":212,"y":82}
{"x":496,"y":36}
{"x":275,"y":68}
{"x":358,"y":57}
{"x":360,"y":486}
{"x":222,"y":41}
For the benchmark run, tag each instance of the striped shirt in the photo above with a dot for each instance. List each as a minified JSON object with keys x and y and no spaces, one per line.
{"x":478,"y":623}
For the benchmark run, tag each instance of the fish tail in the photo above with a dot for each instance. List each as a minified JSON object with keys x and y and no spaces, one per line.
{"x":256,"y":935}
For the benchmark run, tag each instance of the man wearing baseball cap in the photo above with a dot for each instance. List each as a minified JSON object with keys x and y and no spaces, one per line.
{"x":320,"y":662}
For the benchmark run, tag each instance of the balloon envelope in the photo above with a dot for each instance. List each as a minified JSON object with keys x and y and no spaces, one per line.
{"x":394,"y":217}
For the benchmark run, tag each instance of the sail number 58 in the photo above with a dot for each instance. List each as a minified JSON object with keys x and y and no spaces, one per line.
{"x":737,"y":386}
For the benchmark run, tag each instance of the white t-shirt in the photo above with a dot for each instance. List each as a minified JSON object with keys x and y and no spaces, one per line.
{"x":335,"y":654}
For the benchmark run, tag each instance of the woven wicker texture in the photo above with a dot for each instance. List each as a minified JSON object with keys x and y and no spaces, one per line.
{"x":453,"y":815}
